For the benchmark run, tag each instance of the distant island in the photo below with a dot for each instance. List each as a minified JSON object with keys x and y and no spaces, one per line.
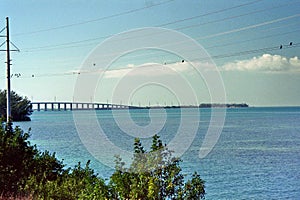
{"x":203,"y":105}
{"x":218,"y":105}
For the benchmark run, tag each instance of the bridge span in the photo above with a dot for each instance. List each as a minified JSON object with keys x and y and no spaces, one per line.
{"x":46,"y":106}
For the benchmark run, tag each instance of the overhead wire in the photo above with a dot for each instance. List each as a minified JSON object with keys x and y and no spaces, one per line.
{"x":161,"y":25}
{"x":221,"y":33}
{"x":64,"y":44}
{"x":136,"y":10}
{"x":252,"y":39}
{"x":250,"y":27}
{"x":2,"y":29}
{"x":235,"y":16}
{"x":211,"y":13}
{"x":266,"y":49}
{"x":95,"y":20}
{"x":220,"y":56}
{"x":248,"y":51}
{"x":199,"y":38}
{"x":232,"y":30}
{"x":282,"y":26}
{"x":179,"y":28}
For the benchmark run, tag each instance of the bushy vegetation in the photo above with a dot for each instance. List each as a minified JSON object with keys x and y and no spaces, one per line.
{"x":155,"y":174}
{"x":21,"y":108}
{"x":26,"y":172}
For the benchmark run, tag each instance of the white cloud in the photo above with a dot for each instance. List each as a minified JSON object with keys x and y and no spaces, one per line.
{"x":130,"y":65}
{"x":149,"y":69}
{"x":265,"y":63}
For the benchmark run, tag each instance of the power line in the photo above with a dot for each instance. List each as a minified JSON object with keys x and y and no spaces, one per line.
{"x":95,"y":20}
{"x":231,"y":54}
{"x":233,"y":17}
{"x":55,"y":47}
{"x":251,"y":51}
{"x":139,"y":9}
{"x":253,"y":39}
{"x":185,"y":27}
{"x":211,"y":13}
{"x":250,"y":27}
{"x":220,"y":56}
{"x":161,"y":25}
{"x":65,"y":44}
{"x":247,"y":52}
{"x":73,"y":44}
{"x":226,"y":32}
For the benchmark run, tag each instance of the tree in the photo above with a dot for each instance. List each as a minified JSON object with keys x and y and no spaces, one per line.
{"x":15,"y":157}
{"x":25,"y":172}
{"x":19,"y":160}
{"x":155,"y":174}
{"x":73,"y":183}
{"x":21,"y":107}
{"x":194,"y":188}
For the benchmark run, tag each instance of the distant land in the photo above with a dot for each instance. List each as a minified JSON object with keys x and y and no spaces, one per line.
{"x":100,"y":106}
{"x":203,"y":105}
{"x":231,"y":105}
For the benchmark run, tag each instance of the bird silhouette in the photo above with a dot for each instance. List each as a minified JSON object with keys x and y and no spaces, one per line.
{"x":291,"y":43}
{"x":280,"y":47}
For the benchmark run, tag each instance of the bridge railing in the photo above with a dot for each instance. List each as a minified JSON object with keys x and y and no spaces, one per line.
{"x":46,"y":106}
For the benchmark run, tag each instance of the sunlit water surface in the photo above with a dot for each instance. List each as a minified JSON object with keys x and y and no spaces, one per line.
{"x":256,"y":157}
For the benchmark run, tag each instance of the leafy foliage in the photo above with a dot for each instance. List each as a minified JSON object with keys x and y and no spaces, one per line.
{"x":21,"y":107}
{"x":20,"y":160}
{"x":28,"y":173}
{"x":154,"y":175}
{"x":77,"y":183}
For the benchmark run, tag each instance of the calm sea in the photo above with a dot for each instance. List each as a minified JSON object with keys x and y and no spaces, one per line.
{"x":256,"y":157}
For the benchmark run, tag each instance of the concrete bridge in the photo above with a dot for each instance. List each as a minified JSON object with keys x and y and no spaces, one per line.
{"x":46,"y":106}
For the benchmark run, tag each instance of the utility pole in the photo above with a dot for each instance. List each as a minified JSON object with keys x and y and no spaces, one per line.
{"x":8,"y":105}
{"x":8,"y":90}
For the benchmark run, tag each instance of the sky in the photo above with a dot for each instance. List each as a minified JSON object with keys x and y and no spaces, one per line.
{"x":160,"y":52}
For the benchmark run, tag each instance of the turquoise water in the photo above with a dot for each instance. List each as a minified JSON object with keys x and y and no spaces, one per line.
{"x":256,"y":157}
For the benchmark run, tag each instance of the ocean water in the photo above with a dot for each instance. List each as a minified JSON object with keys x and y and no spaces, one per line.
{"x":257,"y":155}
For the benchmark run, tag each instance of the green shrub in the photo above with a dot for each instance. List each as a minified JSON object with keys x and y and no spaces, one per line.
{"x":21,"y":108}
{"x":26,"y":173}
{"x":76,"y":183}
{"x":155,"y":174}
{"x":16,"y":158}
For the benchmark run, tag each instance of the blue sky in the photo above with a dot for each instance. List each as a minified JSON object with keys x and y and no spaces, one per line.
{"x":243,"y":39}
